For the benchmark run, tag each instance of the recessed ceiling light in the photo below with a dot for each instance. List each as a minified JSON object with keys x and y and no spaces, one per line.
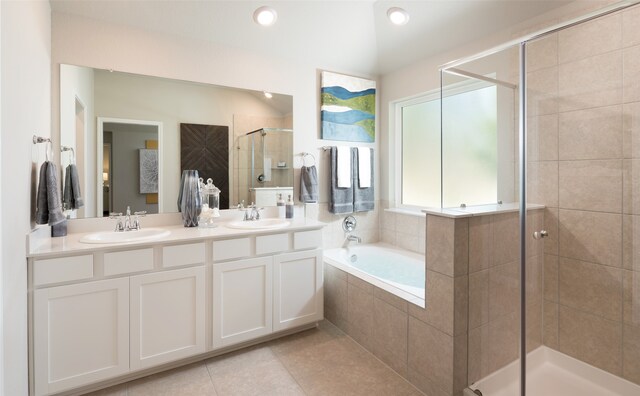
{"x":265,"y":16}
{"x":398,"y":16}
{"x":267,"y":95}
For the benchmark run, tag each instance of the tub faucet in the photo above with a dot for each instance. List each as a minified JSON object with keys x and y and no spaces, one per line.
{"x":351,"y":237}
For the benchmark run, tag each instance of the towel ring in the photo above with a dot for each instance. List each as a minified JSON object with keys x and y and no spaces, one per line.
{"x":305,"y":155}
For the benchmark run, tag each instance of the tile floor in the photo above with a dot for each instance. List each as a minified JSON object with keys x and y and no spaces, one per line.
{"x":320,"y":361}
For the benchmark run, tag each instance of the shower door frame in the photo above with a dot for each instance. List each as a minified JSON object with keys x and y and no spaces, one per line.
{"x":522,"y":142}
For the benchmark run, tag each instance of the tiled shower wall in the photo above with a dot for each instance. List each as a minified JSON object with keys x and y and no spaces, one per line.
{"x":584,"y":130}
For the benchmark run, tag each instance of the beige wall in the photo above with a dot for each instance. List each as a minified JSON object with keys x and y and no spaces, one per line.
{"x":584,"y":124}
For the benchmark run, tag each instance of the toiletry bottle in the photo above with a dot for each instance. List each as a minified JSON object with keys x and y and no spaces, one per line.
{"x":289,"y":208}
{"x":281,"y":208}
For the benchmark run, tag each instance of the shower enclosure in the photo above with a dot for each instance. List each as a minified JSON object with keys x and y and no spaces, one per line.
{"x":264,"y":166}
{"x":549,"y":126}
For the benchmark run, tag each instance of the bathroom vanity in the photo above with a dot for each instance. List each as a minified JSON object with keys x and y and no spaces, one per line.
{"x":100,"y":312}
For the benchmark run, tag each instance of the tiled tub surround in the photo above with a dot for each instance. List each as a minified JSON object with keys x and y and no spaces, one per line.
{"x":471,"y":302}
{"x":584,"y":129}
{"x":106,"y":313}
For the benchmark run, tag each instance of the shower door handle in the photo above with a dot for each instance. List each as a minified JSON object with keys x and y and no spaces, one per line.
{"x":540,"y":234}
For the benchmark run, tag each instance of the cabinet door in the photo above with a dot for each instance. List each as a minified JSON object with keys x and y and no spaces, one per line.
{"x":80,"y":334}
{"x":242,"y":300}
{"x":167,"y":316}
{"x":297,"y":286}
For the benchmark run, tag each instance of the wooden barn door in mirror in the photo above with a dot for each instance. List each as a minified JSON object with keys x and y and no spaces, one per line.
{"x":205,"y":148}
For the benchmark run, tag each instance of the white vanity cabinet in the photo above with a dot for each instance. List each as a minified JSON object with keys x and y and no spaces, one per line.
{"x":297,"y":289}
{"x":167,"y":316}
{"x":80,"y":334}
{"x":122,"y":312}
{"x":242,"y":300}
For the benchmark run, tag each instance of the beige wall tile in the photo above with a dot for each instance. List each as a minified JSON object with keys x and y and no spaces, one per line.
{"x":542,"y":53}
{"x":591,"y":134}
{"x":478,"y":353}
{"x":588,"y":39}
{"x":408,"y":224}
{"x":505,"y":238}
{"x":388,"y":220}
{"x":503,"y":340}
{"x":439,"y":302}
{"x":543,"y":183}
{"x":551,"y":277}
{"x":460,"y":363}
{"x":543,"y":137}
{"x":590,"y":338}
{"x":591,"y":185}
{"x":390,"y":328}
{"x":534,"y":279}
{"x":480,"y":243}
{"x":591,"y":236}
{"x":335,"y":297}
{"x":550,"y":325}
{"x":392,"y":359}
{"x":590,"y":287}
{"x":461,"y":305}
{"x":631,"y":186}
{"x":431,"y":354}
{"x":591,"y":82}
{"x":504,"y":289}
{"x":478,"y":299}
{"x":359,"y":283}
{"x":440,"y":244}
{"x":630,"y":31}
{"x":360,"y":314}
{"x":542,"y":95}
{"x":410,"y":242}
{"x":534,"y":326}
{"x":631,"y":242}
{"x":631,"y":298}
{"x":631,"y":130}
{"x":631,"y":353}
{"x":631,"y":74}
{"x":461,"y":252}
{"x":535,"y":222}
{"x":551,"y":225}
{"x":389,"y":298}
{"x":425,"y":384}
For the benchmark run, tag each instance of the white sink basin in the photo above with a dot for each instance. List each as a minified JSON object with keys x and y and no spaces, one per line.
{"x":144,"y":234}
{"x":261,"y":224}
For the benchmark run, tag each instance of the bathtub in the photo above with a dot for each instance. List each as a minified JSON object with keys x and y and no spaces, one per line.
{"x":397,"y":271}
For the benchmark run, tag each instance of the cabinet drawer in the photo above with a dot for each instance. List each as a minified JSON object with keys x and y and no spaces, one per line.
{"x":307,"y":239}
{"x":63,"y":269}
{"x":127,"y":262}
{"x":175,"y":256}
{"x":231,"y":249}
{"x":272,"y":243}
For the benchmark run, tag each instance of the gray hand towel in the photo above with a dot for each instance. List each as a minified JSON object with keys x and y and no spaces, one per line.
{"x":54,"y":203}
{"x":67,"y":194}
{"x":42,"y":207}
{"x":363,"y":198}
{"x":78,"y":202}
{"x":309,"y":184}
{"x":71,"y":198}
{"x":340,"y":199}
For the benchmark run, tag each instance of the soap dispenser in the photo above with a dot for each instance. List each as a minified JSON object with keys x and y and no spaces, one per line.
{"x":289,"y":208}
{"x":281,"y":207}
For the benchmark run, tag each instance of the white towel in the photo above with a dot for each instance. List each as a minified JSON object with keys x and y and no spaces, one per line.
{"x":344,"y":167}
{"x":267,"y":169}
{"x":364,"y":167}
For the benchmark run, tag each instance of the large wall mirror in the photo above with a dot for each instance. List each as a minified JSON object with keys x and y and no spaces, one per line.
{"x":130,"y":136}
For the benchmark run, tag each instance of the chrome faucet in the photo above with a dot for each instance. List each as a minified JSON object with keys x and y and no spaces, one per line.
{"x":254,"y":214}
{"x":127,"y":224}
{"x":353,"y":238}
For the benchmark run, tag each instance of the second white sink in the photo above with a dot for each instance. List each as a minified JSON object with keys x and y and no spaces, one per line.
{"x":144,"y":234}
{"x":258,"y":224}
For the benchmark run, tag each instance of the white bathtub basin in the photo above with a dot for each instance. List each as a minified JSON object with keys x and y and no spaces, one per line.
{"x":261,"y":224}
{"x":144,"y":234}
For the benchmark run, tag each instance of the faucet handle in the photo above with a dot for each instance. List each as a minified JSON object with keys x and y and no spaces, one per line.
{"x":115,"y":215}
{"x":141,"y":213}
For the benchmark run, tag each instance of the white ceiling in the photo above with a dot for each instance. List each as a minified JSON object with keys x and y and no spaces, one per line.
{"x":350,"y":36}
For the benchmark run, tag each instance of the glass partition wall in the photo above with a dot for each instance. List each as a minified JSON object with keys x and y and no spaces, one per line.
{"x":550,"y":125}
